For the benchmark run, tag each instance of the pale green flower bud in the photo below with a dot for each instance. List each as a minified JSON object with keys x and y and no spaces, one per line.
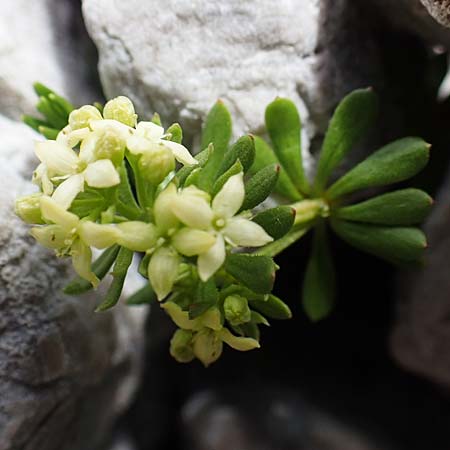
{"x":207,"y":346}
{"x":28,"y":208}
{"x":157,"y":164}
{"x":181,"y":346}
{"x":120,"y":109}
{"x":109,"y":144}
{"x":236,"y":310}
{"x":80,"y":118}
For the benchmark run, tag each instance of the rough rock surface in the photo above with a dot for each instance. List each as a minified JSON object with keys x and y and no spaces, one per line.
{"x":188,"y":54}
{"x":439,"y":9}
{"x":58,"y":54}
{"x":65,"y":372}
{"x":279,"y":421}
{"x":421,"y":338}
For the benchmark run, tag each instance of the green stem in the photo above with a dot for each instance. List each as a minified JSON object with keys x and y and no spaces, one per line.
{"x":276,"y":247}
{"x":308,"y":210}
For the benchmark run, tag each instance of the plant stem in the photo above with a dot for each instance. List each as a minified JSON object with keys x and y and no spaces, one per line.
{"x":274,"y":248}
{"x":308,"y":210}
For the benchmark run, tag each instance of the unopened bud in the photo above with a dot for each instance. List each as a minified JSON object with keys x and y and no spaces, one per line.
{"x":207,"y":346}
{"x":28,"y":208}
{"x":109,"y":145}
{"x":80,"y":118}
{"x":181,"y":346}
{"x":120,"y":109}
{"x":236,"y":310}
{"x":155,"y":165}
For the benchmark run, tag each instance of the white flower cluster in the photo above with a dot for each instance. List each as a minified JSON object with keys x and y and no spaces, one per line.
{"x":177,"y":226}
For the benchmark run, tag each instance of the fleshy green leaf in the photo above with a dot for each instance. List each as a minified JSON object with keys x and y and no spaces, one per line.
{"x":100,"y":267}
{"x":87,"y":203}
{"x":256,"y":272}
{"x":202,"y":159}
{"x":53,"y":116}
{"x":217,"y":131}
{"x":119,"y":273}
{"x":233,"y":170}
{"x":176,"y":133}
{"x":243,"y":150}
{"x":126,"y":202}
{"x":395,"y":244}
{"x":143,"y":296}
{"x":206,"y":297}
{"x":402,"y":207}
{"x":350,"y":122}
{"x":319,"y":285}
{"x":156,"y":119}
{"x":260,"y":186}
{"x":276,"y":221}
{"x":34,"y":123}
{"x":284,"y":128}
{"x":395,"y":162}
{"x":49,"y":133}
{"x":273,"y":307}
{"x":264,"y":156}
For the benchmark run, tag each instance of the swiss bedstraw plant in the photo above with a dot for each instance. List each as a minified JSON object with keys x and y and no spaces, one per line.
{"x":206,"y":244}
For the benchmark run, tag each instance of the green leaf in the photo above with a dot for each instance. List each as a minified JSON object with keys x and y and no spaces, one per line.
{"x":143,"y":296}
{"x":156,"y":119}
{"x":119,"y":274}
{"x":143,"y":265}
{"x":273,"y":307}
{"x":260,"y":186}
{"x":397,"y":245}
{"x":276,"y":221}
{"x":64,"y":104}
{"x":201,"y":157}
{"x":402,"y":207}
{"x":126,"y":202}
{"x":233,"y":170}
{"x":264,"y":156}
{"x":250,"y":329}
{"x":100,"y":267}
{"x":206,"y":297}
{"x":284,"y":128}
{"x":34,"y":123}
{"x":217,"y":131}
{"x":42,"y":90}
{"x":395,"y":162}
{"x":259,"y":319}
{"x":352,"y":119}
{"x":243,"y":150}
{"x":49,"y":133}
{"x":176,"y":133}
{"x":319,"y":285}
{"x":88,"y":202}
{"x":54,"y":117}
{"x":256,"y":272}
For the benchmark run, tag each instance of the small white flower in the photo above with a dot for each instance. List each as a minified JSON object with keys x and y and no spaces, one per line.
{"x":193,"y":208}
{"x":60,"y":162}
{"x":149,"y":137}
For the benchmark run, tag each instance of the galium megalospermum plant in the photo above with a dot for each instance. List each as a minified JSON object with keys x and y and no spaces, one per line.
{"x":110,"y":182}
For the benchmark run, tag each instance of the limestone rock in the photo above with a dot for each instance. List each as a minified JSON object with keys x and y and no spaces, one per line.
{"x":43,"y":41}
{"x":421,"y":338}
{"x":188,"y":54}
{"x":65,"y":372}
{"x":439,"y":9}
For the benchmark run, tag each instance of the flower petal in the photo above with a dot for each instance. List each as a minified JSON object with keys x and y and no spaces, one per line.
{"x":242,"y":344}
{"x":230,"y":198}
{"x":179,"y":317}
{"x":87,"y":148}
{"x":66,"y":192}
{"x":99,"y":235}
{"x":244,"y":232}
{"x":50,"y":236}
{"x":124,"y":130}
{"x":55,"y":213}
{"x":137,"y":236}
{"x":180,"y":152}
{"x":58,"y":158}
{"x":190,"y":242}
{"x":81,"y":260}
{"x":41,"y":178}
{"x":192,"y":210}
{"x":150,"y":130}
{"x":209,"y":262}
{"x":101,"y":174}
{"x":138,"y":144}
{"x":163,"y":270}
{"x":211,"y":318}
{"x":162,"y":208}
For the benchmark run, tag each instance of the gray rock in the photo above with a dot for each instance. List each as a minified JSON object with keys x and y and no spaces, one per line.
{"x":276,"y":421}
{"x":439,"y":9}
{"x":187,"y":54}
{"x":44,"y":41}
{"x":421,"y":337}
{"x":65,"y":372}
